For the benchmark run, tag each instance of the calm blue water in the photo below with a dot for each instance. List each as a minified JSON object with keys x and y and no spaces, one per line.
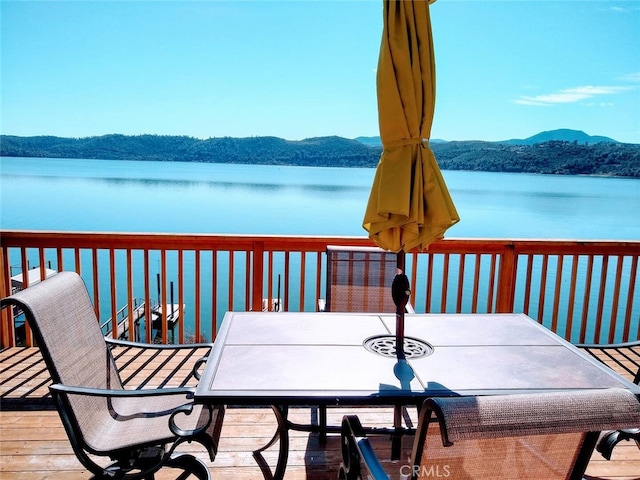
{"x":102,"y":195}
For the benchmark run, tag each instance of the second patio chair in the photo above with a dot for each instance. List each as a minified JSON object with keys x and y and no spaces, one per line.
{"x":523,"y":436}
{"x":359,"y":280}
{"x":136,"y":432}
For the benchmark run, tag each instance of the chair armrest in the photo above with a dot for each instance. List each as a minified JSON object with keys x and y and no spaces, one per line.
{"x":103,"y":392}
{"x":357,"y":452}
{"x":610,"y":439}
{"x":111,"y":342}
{"x":200,"y":429}
{"x":157,"y":346}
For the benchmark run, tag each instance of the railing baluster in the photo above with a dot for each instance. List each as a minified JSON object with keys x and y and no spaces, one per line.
{"x":214,"y":294}
{"x":249,"y":300}
{"x":429,"y":292}
{"x":113,"y":294}
{"x":303,"y":273}
{"x":585,"y":300}
{"x":77,"y":260}
{"x":197,"y":293}
{"x":181,"y":302}
{"x":96,"y":283}
{"x":147,"y":298}
{"x":601,"y":295}
{"x":414,"y":274}
{"x":543,"y":288}
{"x":59,"y":259}
{"x":163,"y":297}
{"x":460,"y":294}
{"x":528,"y":284}
{"x":257,"y":280}
{"x":615,"y":299}
{"x":445,"y":283}
{"x":492,"y":281}
{"x":572,"y":296}
{"x":28,"y":338}
{"x":130,"y":302}
{"x":286,"y":280}
{"x":476,"y":283}
{"x":231,"y":278}
{"x":269,"y":280}
{"x":556,"y":295}
{"x":42,"y":264}
{"x":318,"y":278}
{"x":630,"y":295}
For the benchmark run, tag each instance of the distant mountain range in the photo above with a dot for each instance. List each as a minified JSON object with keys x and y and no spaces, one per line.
{"x":561,"y":135}
{"x":555,"y":152}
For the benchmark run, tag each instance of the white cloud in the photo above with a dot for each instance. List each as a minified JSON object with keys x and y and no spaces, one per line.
{"x":570,"y":95}
{"x":631,"y":77}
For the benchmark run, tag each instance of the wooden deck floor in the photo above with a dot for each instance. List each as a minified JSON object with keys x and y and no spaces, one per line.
{"x":33,"y":444}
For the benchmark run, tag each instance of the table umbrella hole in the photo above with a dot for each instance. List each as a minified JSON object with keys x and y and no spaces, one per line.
{"x":385,"y":345}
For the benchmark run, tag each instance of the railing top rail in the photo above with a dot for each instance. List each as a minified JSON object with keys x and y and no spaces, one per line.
{"x":299,"y":243}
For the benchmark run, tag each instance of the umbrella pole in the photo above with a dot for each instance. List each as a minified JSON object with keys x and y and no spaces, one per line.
{"x":400,"y":292}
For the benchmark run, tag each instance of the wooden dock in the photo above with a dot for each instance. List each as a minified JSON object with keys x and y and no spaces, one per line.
{"x":173,"y":315}
{"x":33,"y":444}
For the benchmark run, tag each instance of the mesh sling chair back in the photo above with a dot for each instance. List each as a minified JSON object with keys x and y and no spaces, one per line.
{"x":359,"y":280}
{"x":520,"y":436}
{"x":137,"y":429}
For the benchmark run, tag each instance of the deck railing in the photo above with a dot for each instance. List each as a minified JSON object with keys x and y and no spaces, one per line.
{"x":586,"y":291}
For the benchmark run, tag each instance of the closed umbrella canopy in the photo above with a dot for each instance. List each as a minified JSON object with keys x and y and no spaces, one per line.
{"x":409,"y":205}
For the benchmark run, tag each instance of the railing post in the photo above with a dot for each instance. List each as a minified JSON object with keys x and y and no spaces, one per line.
{"x":7,"y":335}
{"x":507,"y":280}
{"x":257,"y":288}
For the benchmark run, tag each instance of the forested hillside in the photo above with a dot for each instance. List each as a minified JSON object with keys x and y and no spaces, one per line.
{"x":554,"y":157}
{"x":551,"y":157}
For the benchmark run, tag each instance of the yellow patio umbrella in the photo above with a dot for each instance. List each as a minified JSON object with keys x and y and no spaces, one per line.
{"x":409,"y":205}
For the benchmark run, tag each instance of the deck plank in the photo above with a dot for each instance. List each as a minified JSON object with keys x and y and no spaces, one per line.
{"x":34,"y":446}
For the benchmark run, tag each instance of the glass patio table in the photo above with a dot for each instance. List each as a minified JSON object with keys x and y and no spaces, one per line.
{"x":297,"y":358}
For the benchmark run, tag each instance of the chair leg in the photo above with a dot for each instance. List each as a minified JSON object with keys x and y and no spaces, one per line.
{"x":322,"y":413}
{"x":190,"y":465}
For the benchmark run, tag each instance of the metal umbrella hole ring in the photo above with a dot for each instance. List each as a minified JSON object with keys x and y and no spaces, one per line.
{"x":385,"y":345}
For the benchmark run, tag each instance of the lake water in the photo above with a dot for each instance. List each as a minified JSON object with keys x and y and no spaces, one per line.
{"x":131,"y":196}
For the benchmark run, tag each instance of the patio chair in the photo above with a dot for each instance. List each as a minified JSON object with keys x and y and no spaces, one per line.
{"x":520,"y":436}
{"x":138,"y":430}
{"x":626,"y":357}
{"x":359,"y":280}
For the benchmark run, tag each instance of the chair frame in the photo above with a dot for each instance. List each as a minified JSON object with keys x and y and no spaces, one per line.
{"x":143,"y":459}
{"x":358,"y":453}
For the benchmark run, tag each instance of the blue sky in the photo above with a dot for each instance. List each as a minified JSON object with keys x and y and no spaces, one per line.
{"x":297,"y":69}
